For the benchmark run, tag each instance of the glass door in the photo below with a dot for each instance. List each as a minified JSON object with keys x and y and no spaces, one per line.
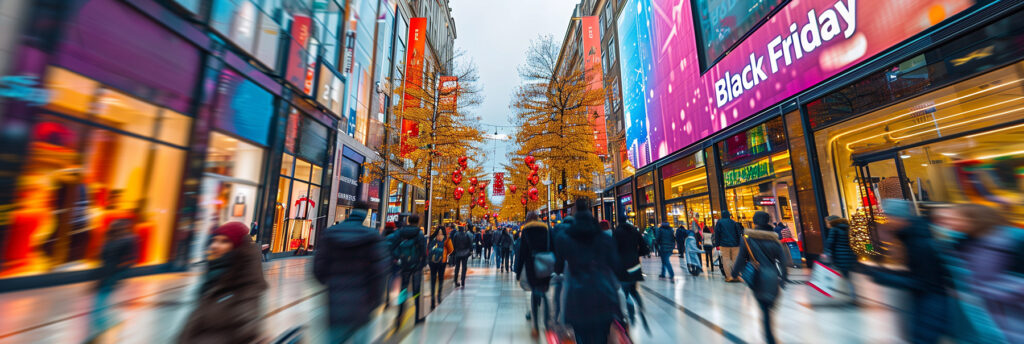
{"x":878,"y":179}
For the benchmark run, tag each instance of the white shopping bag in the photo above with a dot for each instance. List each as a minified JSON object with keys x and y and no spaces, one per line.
{"x":826,"y":280}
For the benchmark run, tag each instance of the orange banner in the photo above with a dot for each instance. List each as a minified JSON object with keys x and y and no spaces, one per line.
{"x":595,"y":79}
{"x":449,"y":93}
{"x":413,"y":78}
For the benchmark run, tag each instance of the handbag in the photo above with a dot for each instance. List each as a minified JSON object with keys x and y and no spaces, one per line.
{"x":749,"y":270}
{"x":544,"y":262}
{"x":524,"y":282}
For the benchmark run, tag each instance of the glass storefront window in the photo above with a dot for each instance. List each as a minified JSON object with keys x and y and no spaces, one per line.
{"x":230,"y":186}
{"x":287,"y":162}
{"x":302,"y":170}
{"x":70,"y":93}
{"x":763,"y":185}
{"x":174,"y":127}
{"x":126,"y":113}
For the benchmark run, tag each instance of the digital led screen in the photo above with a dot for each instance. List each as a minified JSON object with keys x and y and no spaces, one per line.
{"x":669,"y":104}
{"x":721,"y":23}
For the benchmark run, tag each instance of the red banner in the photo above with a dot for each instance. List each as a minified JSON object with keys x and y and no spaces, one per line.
{"x":499,"y":184}
{"x":295,"y":73}
{"x":595,"y":79}
{"x":413,"y":78}
{"x":449,"y":93}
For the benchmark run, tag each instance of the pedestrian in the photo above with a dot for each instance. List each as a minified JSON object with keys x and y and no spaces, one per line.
{"x":649,"y":238}
{"x":559,"y":279}
{"x":462,"y":241}
{"x":692,"y":253}
{"x":514,"y":253}
{"x":477,"y":244}
{"x":925,"y":278}
{"x":666,"y":242}
{"x":630,"y":245}
{"x":438,"y":249}
{"x":605,"y":226}
{"x":228,"y":309}
{"x":534,"y":239}
{"x":838,"y":253}
{"x":119,"y":254}
{"x":727,"y":237}
{"x":487,"y":241}
{"x":353,"y":263}
{"x":777,"y":228}
{"x":680,"y":236}
{"x":591,"y":297}
{"x":709,"y":247}
{"x":761,"y":248}
{"x":985,"y":257}
{"x":504,"y":244}
{"x":392,"y":274}
{"x":408,"y":247}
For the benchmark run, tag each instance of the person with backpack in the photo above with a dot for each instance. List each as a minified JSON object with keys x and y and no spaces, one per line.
{"x":409,"y":248}
{"x":666,"y":242}
{"x":631,"y":246}
{"x":504,"y":244}
{"x":463,"y":244}
{"x":119,"y":254}
{"x":761,"y":249}
{"x":487,"y":241}
{"x":534,"y":252}
{"x":353,"y":263}
{"x":727,"y":237}
{"x":438,"y":249}
{"x":592,"y":289}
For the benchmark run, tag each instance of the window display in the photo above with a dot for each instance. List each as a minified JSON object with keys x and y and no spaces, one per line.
{"x":230,"y":186}
{"x":685,"y":186}
{"x":298,"y":199}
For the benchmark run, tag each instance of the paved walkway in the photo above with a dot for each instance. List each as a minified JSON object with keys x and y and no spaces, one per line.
{"x":490,"y":309}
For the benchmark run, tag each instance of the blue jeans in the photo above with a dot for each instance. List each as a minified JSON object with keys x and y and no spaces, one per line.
{"x":666,"y":265}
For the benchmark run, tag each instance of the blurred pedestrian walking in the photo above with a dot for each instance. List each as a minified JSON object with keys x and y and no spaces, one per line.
{"x":352,"y":262}
{"x":504,"y":244}
{"x":727,"y":237}
{"x":630,"y":245}
{"x":392,"y":275}
{"x":692,"y":253}
{"x":487,"y":241}
{"x":477,"y":242}
{"x":439,"y":247}
{"x":709,"y":248}
{"x":119,"y":254}
{"x":408,"y":246}
{"x":838,"y":253}
{"x":559,"y":279}
{"x":592,"y":295}
{"x":535,"y":241}
{"x":761,"y":249}
{"x":229,"y":295}
{"x":680,"y":236}
{"x":666,"y":242}
{"x":463,"y":244}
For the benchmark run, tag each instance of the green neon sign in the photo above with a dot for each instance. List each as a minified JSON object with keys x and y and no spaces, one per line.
{"x":758,"y":170}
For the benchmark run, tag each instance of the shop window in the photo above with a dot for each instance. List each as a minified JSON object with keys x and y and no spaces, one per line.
{"x":763,"y":185}
{"x":317,"y":174}
{"x":126,"y":113}
{"x":302,"y":170}
{"x":70,"y":93}
{"x":230,"y":186}
{"x":807,"y":216}
{"x":175,"y":128}
{"x":287,"y":162}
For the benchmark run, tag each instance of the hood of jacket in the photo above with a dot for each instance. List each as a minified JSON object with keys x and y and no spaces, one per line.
{"x":532,"y":224}
{"x":584,"y":227}
{"x":351,"y":232}
{"x":842,"y":227}
{"x":761,"y":235}
{"x":408,"y":232}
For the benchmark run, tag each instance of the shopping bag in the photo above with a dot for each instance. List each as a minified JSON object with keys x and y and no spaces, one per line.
{"x":524,"y":282}
{"x":558,"y":333}
{"x":619,"y":334}
{"x":825,"y":280}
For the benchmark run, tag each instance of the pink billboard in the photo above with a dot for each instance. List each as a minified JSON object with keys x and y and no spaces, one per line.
{"x":669,"y":104}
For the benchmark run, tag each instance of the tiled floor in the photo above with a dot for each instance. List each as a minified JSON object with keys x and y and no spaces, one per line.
{"x":490,"y":309}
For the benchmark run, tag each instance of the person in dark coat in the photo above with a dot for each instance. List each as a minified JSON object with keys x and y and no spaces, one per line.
{"x":726,"y":237}
{"x":504,"y":244}
{"x":477,"y":244}
{"x":535,"y":239}
{"x":439,"y":246}
{"x":925,"y":279}
{"x":680,"y":235}
{"x":592,"y":291}
{"x":666,"y":242}
{"x":462,"y":243}
{"x":411,"y":268}
{"x":487,"y":241}
{"x":762,"y":248}
{"x":628,"y":242}
{"x":389,"y":279}
{"x":352,"y":262}
{"x":230,"y":291}
{"x":119,"y":254}
{"x":838,"y":251}
{"x":559,"y":279}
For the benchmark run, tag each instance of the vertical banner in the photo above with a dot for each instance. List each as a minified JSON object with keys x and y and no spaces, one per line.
{"x":499,"y":184}
{"x":595,"y":80}
{"x":295,"y":73}
{"x":413,"y":78}
{"x":449,"y":93}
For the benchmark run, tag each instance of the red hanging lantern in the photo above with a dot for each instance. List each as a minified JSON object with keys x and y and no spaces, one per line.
{"x":462,"y":161}
{"x":512,"y":188}
{"x":481,"y":185}
{"x":533,"y":173}
{"x":523,"y":200}
{"x":534,"y":167}
{"x":472,"y":180}
{"x":472,"y":189}
{"x":458,"y":193}
{"x":529,"y":159}
{"x":481,"y":202}
{"x":457,"y":177}
{"x":534,"y":180}
{"x":534,"y":193}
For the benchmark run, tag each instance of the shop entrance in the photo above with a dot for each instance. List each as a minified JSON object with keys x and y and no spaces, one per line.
{"x":878,"y":178}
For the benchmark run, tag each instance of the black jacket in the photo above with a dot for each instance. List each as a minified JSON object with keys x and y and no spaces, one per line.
{"x":770,"y":255}
{"x":666,"y":241}
{"x":503,"y":240}
{"x":534,"y":239}
{"x":462,"y":243}
{"x":727,"y":233}
{"x":681,"y":241}
{"x":118,"y":255}
{"x":487,"y":239}
{"x":628,"y":241}
{"x":837,"y":246}
{"x":925,"y":273}
{"x":592,"y":290}
{"x":413,"y":233}
{"x":352,"y":261}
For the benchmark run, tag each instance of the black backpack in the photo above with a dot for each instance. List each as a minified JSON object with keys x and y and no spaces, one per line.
{"x":437,"y":252}
{"x":406,"y":253}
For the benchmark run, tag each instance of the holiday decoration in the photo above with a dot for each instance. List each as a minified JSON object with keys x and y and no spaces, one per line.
{"x":512,"y":188}
{"x":458,"y":192}
{"x":481,"y":202}
{"x":529,"y":159}
{"x":481,"y":186}
{"x":472,"y":189}
{"x":534,"y":180}
{"x":534,"y":167}
{"x":499,"y":184}
{"x":523,"y":200}
{"x":457,"y":177}
{"x":462,"y":161}
{"x":472,"y":180}
{"x":534,"y":193}
{"x":532,"y":173}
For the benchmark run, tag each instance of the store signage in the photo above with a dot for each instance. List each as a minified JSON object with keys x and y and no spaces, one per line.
{"x":758,"y":170}
{"x":295,"y":73}
{"x":499,"y":184}
{"x":764,"y":200}
{"x":448,"y":90}
{"x":594,"y":75}
{"x":413,"y":79}
{"x":22,"y":87}
{"x":682,"y":165}
{"x":669,"y":103}
{"x":626,"y":199}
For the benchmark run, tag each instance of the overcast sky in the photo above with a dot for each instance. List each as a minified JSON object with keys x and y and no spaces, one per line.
{"x":495,"y":35}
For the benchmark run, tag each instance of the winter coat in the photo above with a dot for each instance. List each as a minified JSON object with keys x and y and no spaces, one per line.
{"x":118,"y":256}
{"x":462,"y":242}
{"x":406,"y":233}
{"x":628,"y":242}
{"x":352,"y":261}
{"x":487,"y":239}
{"x":591,"y":289}
{"x":837,"y":246}
{"x":692,"y":251}
{"x":666,"y":241}
{"x":681,"y":241}
{"x":504,"y":240}
{"x":727,"y":232}
{"x":228,"y":309}
{"x":535,"y":239}
{"x":561,"y":227}
{"x":925,"y":273}
{"x":769,"y":253}
{"x":447,"y":245}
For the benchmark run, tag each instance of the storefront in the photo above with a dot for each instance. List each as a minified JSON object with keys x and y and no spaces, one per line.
{"x":350,"y":166}
{"x":297,"y":213}
{"x":646,"y":201}
{"x":685,"y":189}
{"x":624,"y":200}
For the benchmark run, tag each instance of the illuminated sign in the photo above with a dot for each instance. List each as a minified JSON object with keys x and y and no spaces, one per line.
{"x":764,"y":200}
{"x":757,"y":170}
{"x":595,"y":79}
{"x":22,"y":87}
